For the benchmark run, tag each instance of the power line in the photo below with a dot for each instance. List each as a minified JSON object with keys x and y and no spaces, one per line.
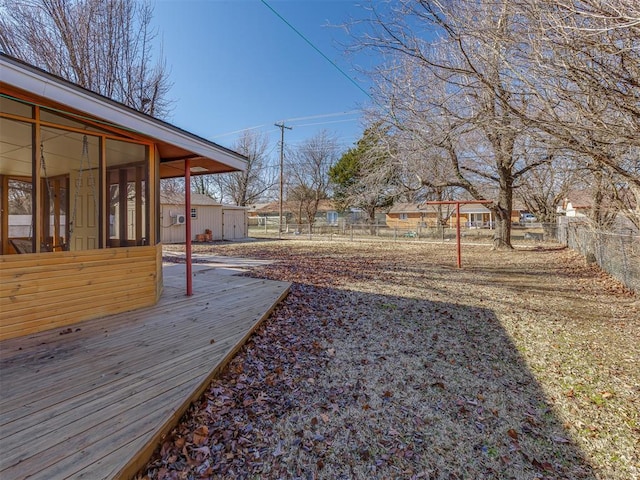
{"x":239,"y":131}
{"x":326,"y":123}
{"x":317,"y":49}
{"x":309,"y":117}
{"x":323,"y":115}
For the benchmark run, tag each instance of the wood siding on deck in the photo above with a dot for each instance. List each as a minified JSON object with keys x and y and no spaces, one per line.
{"x":53,"y":290}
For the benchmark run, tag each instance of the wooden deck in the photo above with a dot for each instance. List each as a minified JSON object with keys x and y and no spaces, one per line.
{"x":94,"y":401}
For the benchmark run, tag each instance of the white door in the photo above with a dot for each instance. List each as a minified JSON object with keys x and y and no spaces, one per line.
{"x":84,"y":210}
{"x":234,"y":224}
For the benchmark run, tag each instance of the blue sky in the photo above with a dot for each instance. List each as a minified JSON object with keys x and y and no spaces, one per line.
{"x":235,"y":65}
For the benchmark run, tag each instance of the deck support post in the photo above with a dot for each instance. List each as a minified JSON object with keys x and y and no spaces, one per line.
{"x":187,"y":214}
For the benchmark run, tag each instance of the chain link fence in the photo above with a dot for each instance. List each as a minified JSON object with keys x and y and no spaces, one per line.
{"x":529,"y":233}
{"x":617,"y":253}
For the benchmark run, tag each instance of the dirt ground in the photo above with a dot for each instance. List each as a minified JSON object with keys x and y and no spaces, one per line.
{"x":385,"y":361}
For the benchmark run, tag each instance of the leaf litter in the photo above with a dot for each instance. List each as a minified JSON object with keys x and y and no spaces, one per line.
{"x":386,"y":362}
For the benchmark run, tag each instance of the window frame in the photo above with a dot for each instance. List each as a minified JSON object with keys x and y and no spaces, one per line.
{"x":112,"y":132}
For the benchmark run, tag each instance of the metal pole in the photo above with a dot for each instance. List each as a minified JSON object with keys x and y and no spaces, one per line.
{"x":281,"y":126}
{"x":458,"y":234}
{"x":187,"y":201}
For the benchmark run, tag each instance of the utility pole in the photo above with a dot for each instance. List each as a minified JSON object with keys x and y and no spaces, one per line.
{"x":281,"y":126}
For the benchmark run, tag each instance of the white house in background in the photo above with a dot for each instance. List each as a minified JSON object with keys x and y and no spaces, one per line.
{"x":224,"y":222}
{"x":576,"y":204}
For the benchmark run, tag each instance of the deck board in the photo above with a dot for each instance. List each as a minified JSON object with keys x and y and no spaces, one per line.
{"x":94,"y":402}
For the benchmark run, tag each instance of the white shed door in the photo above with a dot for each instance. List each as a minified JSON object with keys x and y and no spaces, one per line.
{"x":234,"y":224}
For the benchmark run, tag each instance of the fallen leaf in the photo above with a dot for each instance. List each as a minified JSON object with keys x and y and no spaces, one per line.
{"x":200,"y":435}
{"x":205,"y":450}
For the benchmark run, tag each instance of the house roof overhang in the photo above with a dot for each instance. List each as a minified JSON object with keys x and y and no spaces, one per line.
{"x":174,"y":144}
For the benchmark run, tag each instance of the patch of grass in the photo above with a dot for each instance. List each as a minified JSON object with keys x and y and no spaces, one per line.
{"x":516,"y":366}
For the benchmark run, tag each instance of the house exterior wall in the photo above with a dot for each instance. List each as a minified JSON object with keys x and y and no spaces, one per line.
{"x":577,"y":211}
{"x":51,"y":290}
{"x":414,"y":220}
{"x":169,"y":232}
{"x":225,"y":223}
{"x":209,"y":217}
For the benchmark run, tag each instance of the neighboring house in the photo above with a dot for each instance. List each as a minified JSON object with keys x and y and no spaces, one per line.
{"x":423,"y":215}
{"x":412,"y":216}
{"x":260,"y":213}
{"x":225,"y":222}
{"x":85,"y":171}
{"x":576,"y":204}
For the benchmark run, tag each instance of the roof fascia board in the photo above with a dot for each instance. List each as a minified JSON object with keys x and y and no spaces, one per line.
{"x":47,"y":86}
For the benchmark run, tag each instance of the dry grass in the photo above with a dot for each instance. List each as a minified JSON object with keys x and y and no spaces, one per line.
{"x":391,"y":363}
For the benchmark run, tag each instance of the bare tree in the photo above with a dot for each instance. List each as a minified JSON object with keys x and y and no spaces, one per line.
{"x":208,"y":185}
{"x":309,"y":175}
{"x":470,"y":85}
{"x":453,"y":94}
{"x":543,"y":189}
{"x":582,"y":62}
{"x":172,"y":186}
{"x":244,"y":188}
{"x":102,"y":45}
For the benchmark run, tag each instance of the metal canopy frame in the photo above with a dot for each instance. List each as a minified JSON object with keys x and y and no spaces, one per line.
{"x":457,"y":203}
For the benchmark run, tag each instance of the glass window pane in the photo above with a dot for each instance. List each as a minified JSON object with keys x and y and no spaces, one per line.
{"x":15,"y":107}
{"x":16,"y":166}
{"x":69,"y":121}
{"x":127,"y":181}
{"x":15,"y":148}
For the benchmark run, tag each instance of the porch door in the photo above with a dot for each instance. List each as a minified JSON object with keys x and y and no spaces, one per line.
{"x":84,"y":210}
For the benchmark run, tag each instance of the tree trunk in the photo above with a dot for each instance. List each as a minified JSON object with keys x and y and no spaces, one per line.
{"x":502,"y":211}
{"x":371,"y":214}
